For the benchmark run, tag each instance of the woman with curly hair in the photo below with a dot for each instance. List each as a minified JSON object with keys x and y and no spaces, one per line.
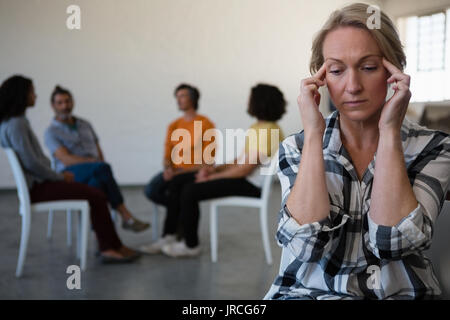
{"x":16,"y":95}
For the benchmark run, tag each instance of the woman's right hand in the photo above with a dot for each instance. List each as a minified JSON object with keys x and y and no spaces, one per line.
{"x":203,"y":174}
{"x":308,"y":103}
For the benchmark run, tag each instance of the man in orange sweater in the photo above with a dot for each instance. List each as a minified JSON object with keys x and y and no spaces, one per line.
{"x":182,"y":159}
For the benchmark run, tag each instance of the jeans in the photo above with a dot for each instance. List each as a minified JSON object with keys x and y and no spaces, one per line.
{"x":98,"y":175}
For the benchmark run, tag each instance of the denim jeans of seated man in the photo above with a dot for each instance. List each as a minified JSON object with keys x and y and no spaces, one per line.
{"x":98,"y":175}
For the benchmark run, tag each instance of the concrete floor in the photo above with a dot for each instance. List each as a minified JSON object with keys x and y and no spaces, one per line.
{"x":241,"y":272}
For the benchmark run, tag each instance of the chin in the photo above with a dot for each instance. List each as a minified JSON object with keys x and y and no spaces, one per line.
{"x":359,"y":114}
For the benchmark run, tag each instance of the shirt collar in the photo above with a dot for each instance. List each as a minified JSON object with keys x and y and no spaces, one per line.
{"x":332,"y":145}
{"x":332,"y":142}
{"x":62,"y":124}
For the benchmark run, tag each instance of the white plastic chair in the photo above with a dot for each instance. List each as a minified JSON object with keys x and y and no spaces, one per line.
{"x":27,"y":209}
{"x":69,"y":224}
{"x":69,"y":220}
{"x":237,"y":201}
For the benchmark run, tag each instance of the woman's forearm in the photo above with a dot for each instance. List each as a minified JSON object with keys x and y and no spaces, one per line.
{"x":392,"y":196}
{"x":308,"y":200}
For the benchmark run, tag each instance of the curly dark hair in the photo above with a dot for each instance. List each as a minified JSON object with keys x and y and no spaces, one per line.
{"x":194,"y":94}
{"x":59,"y":90}
{"x":14,"y":95}
{"x":266,"y":103}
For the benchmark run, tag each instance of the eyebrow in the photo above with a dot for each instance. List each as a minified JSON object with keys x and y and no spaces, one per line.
{"x":363,"y":58}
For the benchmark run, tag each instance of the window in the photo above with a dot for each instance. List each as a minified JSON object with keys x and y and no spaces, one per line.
{"x":427,"y":47}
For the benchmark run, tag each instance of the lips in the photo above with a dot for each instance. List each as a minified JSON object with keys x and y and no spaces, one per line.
{"x":354,"y":102}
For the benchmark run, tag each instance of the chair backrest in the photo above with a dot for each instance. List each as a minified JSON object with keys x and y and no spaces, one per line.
{"x":21,"y":183}
{"x":268,"y":172}
{"x":440,"y":252}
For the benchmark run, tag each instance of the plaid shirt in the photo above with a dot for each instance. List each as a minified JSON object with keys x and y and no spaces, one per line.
{"x":347,"y":255}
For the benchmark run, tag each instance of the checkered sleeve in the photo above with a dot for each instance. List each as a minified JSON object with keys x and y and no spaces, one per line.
{"x":429,"y":175}
{"x":307,"y":242}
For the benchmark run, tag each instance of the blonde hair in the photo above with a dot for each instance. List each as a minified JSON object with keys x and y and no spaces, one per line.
{"x":356,"y":15}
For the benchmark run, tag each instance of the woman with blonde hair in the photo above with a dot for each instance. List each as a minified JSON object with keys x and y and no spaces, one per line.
{"x":361,"y":189}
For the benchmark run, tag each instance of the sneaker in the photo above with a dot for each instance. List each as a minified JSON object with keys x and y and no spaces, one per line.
{"x":155,"y":247}
{"x":135,"y":225}
{"x":179,"y":249}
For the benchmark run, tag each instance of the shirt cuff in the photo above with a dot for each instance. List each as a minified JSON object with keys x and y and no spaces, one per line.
{"x":390,"y":238}
{"x":290,"y":228}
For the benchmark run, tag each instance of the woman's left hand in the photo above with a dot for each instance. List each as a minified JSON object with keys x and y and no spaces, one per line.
{"x":394,"y":109}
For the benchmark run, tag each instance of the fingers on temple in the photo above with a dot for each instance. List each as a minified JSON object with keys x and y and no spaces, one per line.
{"x":320,"y":74}
{"x":400,"y":77}
{"x":390,"y":67}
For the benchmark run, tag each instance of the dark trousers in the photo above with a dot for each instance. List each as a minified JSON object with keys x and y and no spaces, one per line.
{"x":98,"y":175}
{"x":100,"y":217}
{"x":185,"y":196}
{"x":156,"y":190}
{"x":172,"y":224}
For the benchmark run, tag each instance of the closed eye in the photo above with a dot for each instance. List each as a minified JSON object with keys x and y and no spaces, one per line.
{"x":370,"y":68}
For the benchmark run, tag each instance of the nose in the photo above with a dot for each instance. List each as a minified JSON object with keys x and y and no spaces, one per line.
{"x":353,"y":83}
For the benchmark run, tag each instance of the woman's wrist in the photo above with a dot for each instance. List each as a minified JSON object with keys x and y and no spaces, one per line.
{"x":213,"y":176}
{"x":390,"y":136}
{"x":313,"y":136}
{"x":389,"y":143}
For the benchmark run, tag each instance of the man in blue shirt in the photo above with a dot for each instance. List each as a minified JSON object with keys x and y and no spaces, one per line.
{"x":75,"y":147}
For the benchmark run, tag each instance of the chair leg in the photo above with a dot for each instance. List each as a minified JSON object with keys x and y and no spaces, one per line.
{"x":265,"y":234}
{"x":79,"y":231}
{"x":25,"y":235}
{"x":49,"y":224}
{"x":83,"y":237}
{"x":69,"y":227}
{"x":213,"y":233}
{"x":155,"y":223}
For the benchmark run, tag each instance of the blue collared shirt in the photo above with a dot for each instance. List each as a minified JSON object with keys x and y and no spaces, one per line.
{"x":80,"y":140}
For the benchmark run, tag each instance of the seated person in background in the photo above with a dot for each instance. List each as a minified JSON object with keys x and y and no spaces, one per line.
{"x":187,"y":99}
{"x":74,"y":147}
{"x":158,"y":188}
{"x":44,"y":184}
{"x":361,"y":189}
{"x":240,"y":178}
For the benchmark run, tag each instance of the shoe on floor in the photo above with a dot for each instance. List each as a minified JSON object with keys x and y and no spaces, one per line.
{"x":179,"y":249}
{"x":155,"y":247}
{"x":135,"y":225}
{"x":115,"y":260}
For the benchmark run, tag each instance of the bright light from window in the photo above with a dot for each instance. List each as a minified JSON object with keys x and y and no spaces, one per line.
{"x":427,"y":48}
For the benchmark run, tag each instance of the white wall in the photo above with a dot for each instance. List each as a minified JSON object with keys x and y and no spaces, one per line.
{"x":124,"y":63}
